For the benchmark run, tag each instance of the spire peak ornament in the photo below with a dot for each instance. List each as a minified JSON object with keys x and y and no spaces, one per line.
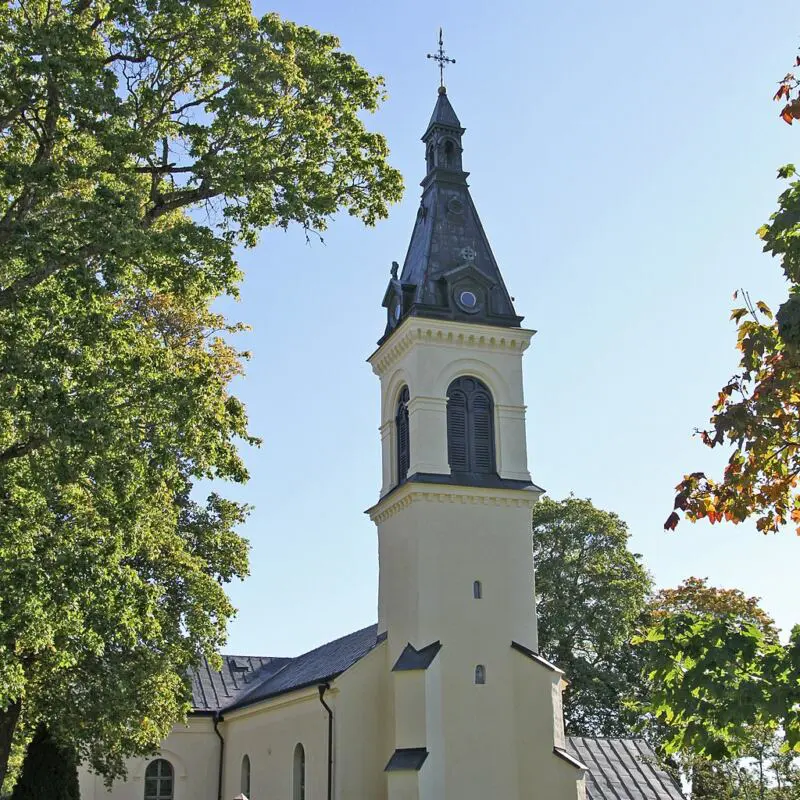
{"x":441,"y":58}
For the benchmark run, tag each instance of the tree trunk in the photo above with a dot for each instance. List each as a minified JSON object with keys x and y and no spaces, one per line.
{"x":9,"y":717}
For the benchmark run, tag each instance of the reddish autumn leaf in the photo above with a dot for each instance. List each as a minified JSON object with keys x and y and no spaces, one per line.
{"x":786,"y":116}
{"x":672,"y":522}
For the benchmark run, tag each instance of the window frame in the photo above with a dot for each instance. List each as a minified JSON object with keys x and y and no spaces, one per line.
{"x":402,"y":433}
{"x":471,"y":438}
{"x":244,"y":784}
{"x":160,"y":778}
{"x":299,"y":772}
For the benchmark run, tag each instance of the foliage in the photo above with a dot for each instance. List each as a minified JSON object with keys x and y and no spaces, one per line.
{"x":695,"y":596}
{"x":713,"y":679}
{"x":763,"y":772}
{"x":590,"y":593}
{"x":140,"y":143}
{"x":753,"y":764}
{"x":758,"y":411}
{"x":49,"y":772}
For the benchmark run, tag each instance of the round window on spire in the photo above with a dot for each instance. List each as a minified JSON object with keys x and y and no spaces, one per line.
{"x":468,"y":301}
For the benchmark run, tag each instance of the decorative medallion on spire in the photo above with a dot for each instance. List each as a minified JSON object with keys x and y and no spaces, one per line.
{"x":449,"y":271}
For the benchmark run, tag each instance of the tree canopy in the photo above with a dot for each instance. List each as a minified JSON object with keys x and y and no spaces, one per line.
{"x":140,"y":143}
{"x":716,"y":671}
{"x":591,"y":591}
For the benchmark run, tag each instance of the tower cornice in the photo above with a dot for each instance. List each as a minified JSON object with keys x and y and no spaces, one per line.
{"x":409,"y":493}
{"x":447,"y":333}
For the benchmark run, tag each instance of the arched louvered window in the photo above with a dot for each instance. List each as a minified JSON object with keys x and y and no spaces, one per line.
{"x":299,"y":776}
{"x":245,"y":784}
{"x":470,"y":427}
{"x":477,"y":590}
{"x":401,"y":429}
{"x":480,"y":674}
{"x":159,"y":780}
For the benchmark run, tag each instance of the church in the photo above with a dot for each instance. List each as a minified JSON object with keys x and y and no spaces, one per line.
{"x":446,"y":697}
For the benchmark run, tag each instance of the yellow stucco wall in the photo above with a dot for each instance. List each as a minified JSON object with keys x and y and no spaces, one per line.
{"x":193,"y":751}
{"x":268,"y":733}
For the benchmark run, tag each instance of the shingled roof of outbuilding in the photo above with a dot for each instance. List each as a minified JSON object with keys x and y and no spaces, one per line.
{"x":622,"y":769}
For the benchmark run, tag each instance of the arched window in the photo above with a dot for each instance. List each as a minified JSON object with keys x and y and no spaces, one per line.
{"x":159,"y":780}
{"x":401,"y":428}
{"x":470,"y":427}
{"x":477,"y":590}
{"x":245,"y":784}
{"x":299,"y":782}
{"x":480,"y":674}
{"x":449,"y":154}
{"x":429,"y":157}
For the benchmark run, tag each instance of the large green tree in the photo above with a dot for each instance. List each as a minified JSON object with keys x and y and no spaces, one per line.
{"x":591,"y":591}
{"x":746,"y":770}
{"x":140,"y":143}
{"x":714,"y":677}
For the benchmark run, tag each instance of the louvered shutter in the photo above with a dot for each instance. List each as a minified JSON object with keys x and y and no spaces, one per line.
{"x":481,"y":434}
{"x":457,"y":449}
{"x":403,"y":444}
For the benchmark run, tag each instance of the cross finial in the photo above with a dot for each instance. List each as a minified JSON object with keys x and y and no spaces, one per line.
{"x":442,"y":59}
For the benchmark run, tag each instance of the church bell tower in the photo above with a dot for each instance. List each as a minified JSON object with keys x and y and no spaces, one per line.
{"x":474,"y":712}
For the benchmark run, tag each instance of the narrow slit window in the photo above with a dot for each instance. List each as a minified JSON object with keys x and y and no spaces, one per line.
{"x":480,"y":674}
{"x":299,"y":788}
{"x":245,"y":784}
{"x":477,"y":590}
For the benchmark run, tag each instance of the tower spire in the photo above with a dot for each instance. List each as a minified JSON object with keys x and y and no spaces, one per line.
{"x":449,"y":271}
{"x":442,"y":59}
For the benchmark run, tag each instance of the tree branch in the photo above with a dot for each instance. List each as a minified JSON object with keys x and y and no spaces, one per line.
{"x":19,"y":449}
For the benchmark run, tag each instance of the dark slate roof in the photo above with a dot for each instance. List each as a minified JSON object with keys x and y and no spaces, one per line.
{"x":413,"y":659}
{"x":212,"y":690}
{"x":443,"y":113}
{"x":622,"y":769}
{"x":449,"y":252}
{"x":407,"y":758}
{"x":316,"y":666}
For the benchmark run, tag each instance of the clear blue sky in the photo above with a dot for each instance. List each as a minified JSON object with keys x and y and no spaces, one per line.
{"x":621,"y":156}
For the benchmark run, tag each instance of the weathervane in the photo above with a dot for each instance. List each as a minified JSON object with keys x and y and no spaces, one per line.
{"x":441,"y":58}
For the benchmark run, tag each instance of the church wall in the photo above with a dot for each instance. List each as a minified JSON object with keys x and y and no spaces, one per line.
{"x":193,"y":751}
{"x":362,"y":742}
{"x":436,"y":544}
{"x":539,"y":727}
{"x":268,"y":733}
{"x":433,"y":544}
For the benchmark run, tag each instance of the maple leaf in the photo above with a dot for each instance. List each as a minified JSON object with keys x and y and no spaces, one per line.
{"x":672,"y":522}
{"x":681,"y":501}
{"x":764,"y":309}
{"x":738,"y":313}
